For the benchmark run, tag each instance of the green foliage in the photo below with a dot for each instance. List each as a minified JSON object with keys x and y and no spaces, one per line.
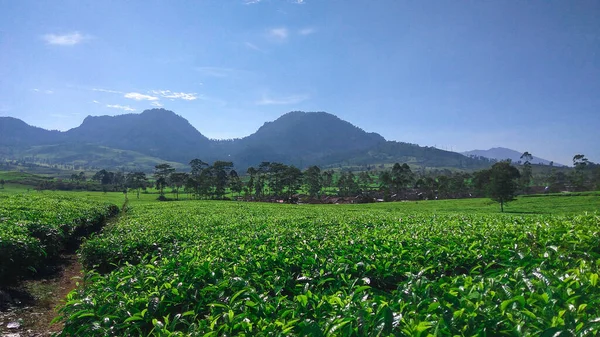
{"x":503,"y":185}
{"x":217,"y":268}
{"x":313,"y":181}
{"x":35,"y":229}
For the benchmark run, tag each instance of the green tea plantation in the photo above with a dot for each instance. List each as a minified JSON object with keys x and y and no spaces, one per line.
{"x":36,"y":229}
{"x":196,"y":268}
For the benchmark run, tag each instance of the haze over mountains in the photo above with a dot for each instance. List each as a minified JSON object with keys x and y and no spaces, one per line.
{"x":141,"y":140}
{"x":502,"y":153}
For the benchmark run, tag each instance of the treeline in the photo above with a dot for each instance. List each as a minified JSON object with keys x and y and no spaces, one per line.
{"x":271,"y":181}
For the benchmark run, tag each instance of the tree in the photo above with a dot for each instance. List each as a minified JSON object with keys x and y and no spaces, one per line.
{"x":365,"y":180}
{"x":327,"y":177}
{"x":235,"y":183}
{"x":276,"y":177}
{"x":401,"y":176}
{"x":503,"y":183}
{"x":2,"y":182}
{"x":136,"y":181}
{"x":313,"y":181}
{"x":104,"y":177}
{"x":262,"y":177}
{"x":385,"y":181}
{"x":556,"y":181}
{"x":221,"y":171}
{"x":251,"y":171}
{"x":292,"y":180}
{"x":178,"y":179}
{"x":526,"y":172}
{"x":347,"y":185}
{"x":161,"y":174}
{"x":197,"y":180}
{"x":596,"y":176}
{"x":578,"y":176}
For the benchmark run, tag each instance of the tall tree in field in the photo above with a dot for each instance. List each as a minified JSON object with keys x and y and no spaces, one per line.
{"x":178,"y":179}
{"x":481,"y":182}
{"x":526,"y":173}
{"x":251,"y":171}
{"x":312,"y":179}
{"x":264,"y":169}
{"x":235,"y":183}
{"x":401,"y":177}
{"x":161,"y":175}
{"x":578,"y":176}
{"x":327,"y":177}
{"x":347,"y":185}
{"x":365,"y":180}
{"x":276,"y":177}
{"x":292,"y":180}
{"x":137,"y":181}
{"x":198,"y":176}
{"x":385,"y":183}
{"x":221,"y":171}
{"x":503,"y":183}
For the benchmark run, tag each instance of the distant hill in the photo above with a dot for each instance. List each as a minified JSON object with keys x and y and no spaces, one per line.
{"x":15,"y":132}
{"x":502,"y":153}
{"x":304,"y":136}
{"x":90,"y":155}
{"x":157,"y":132}
{"x":141,"y":140}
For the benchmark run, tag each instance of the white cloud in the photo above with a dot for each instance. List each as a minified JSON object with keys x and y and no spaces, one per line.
{"x":36,"y":90}
{"x":49,"y":92}
{"x":179,"y":95}
{"x":140,"y":97}
{"x":307,"y":31}
{"x":108,"y":91}
{"x":280,"y":33}
{"x":292,"y":99}
{"x":298,"y":2}
{"x":156,"y":104}
{"x":70,"y":39}
{"x":122,"y":107}
{"x":94,"y":101}
{"x":251,"y":2}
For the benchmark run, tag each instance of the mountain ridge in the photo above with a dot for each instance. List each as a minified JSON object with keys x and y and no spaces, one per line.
{"x":297,"y":138}
{"x":503,"y":153}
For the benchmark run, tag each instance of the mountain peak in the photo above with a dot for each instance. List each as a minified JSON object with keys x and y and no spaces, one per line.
{"x":159,"y":112}
{"x":503,"y":153}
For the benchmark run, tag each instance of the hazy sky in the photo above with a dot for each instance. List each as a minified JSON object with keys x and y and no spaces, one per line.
{"x":458,"y":75}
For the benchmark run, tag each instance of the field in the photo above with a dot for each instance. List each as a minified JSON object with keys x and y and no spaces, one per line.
{"x":439,"y":268}
{"x":36,"y":229}
{"x":226,"y":268}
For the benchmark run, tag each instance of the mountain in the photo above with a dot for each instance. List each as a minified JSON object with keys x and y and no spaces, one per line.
{"x":141,"y":140}
{"x":15,"y":132}
{"x":306,"y":137}
{"x":157,"y":132}
{"x":96,"y":156}
{"x":502,"y":153}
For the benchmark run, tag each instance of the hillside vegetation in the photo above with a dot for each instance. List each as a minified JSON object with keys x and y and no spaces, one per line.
{"x":137,"y":140}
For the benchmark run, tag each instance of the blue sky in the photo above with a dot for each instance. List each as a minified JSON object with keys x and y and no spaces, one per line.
{"x":456,"y":75}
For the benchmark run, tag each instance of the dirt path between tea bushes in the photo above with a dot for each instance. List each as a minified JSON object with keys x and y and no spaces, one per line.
{"x":29,"y":310}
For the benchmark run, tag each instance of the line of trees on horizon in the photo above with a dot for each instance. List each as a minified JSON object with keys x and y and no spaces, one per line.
{"x":271,"y":181}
